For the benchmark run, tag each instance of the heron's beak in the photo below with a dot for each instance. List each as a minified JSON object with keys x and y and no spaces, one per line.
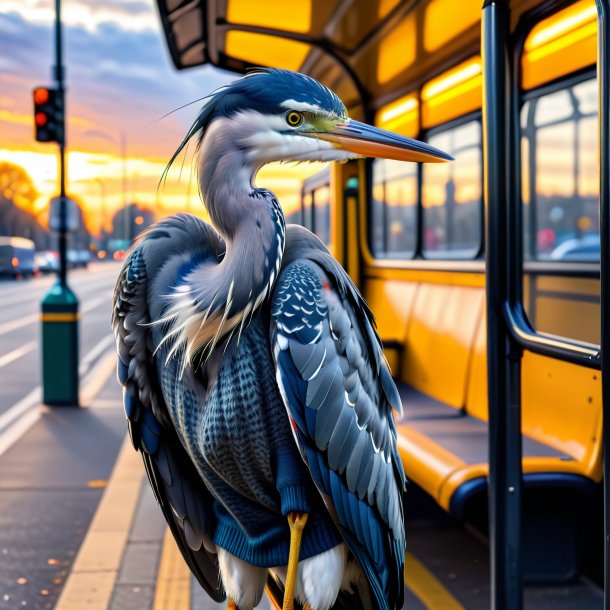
{"x":370,"y":141}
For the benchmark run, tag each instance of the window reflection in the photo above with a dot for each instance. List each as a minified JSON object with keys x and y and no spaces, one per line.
{"x":394,"y":211}
{"x":308,"y":210}
{"x":560,"y":177}
{"x":451,"y":195}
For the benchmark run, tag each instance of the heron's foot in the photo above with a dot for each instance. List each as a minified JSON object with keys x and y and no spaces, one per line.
{"x":231,"y":605}
{"x":297,"y":522}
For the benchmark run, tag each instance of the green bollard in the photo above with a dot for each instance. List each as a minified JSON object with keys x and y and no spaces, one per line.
{"x":60,"y":347}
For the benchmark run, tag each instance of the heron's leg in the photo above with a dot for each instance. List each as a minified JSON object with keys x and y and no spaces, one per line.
{"x":231,"y":605}
{"x":297,"y":522}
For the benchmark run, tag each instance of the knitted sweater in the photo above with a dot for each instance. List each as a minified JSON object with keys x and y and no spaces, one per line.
{"x":241,"y":442}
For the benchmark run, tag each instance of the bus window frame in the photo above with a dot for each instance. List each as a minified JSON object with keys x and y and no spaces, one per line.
{"x":589,"y":269}
{"x":519,"y":327}
{"x":416,"y":251}
{"x":309,"y":187}
{"x":476,"y":116}
{"x":473,"y":264}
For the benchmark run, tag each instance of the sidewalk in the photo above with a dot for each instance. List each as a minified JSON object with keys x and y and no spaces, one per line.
{"x":51,"y":480}
{"x":128,"y":559}
{"x":79,"y":526}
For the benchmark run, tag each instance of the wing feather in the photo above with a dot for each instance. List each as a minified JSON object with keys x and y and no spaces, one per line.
{"x":339,"y":392}
{"x":185,"y":501}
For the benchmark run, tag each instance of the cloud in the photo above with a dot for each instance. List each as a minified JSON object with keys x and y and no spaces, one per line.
{"x":117,"y":79}
{"x":134,"y":15}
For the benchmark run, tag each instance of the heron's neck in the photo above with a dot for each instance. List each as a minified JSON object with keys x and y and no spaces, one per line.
{"x":252,"y":223}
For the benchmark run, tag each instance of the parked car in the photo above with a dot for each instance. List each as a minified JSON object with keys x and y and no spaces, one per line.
{"x":47,"y":261}
{"x":78,"y":258}
{"x":17,"y":256}
{"x":578,"y":249}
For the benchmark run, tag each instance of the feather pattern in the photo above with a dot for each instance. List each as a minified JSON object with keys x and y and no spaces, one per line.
{"x":206,"y":406}
{"x":184,"y":499}
{"x":339,"y":392}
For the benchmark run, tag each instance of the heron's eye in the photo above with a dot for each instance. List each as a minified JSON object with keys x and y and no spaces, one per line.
{"x":294,"y":118}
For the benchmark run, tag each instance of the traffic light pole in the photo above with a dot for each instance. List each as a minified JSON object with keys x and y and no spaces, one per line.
{"x":60,"y":304}
{"x":59,"y":78}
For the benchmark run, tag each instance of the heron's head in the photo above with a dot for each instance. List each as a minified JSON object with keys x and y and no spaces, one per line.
{"x":278,"y":115}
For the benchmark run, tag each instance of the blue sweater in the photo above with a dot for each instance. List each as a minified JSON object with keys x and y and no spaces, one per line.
{"x":241,"y":441}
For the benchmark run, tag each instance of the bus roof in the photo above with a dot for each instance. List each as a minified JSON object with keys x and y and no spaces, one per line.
{"x":367,"y":51}
{"x":17,"y":242}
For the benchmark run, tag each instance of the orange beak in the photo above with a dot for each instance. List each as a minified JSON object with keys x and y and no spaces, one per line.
{"x":369,"y":141}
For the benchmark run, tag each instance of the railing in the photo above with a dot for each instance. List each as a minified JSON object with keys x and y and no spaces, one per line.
{"x":509,"y":332}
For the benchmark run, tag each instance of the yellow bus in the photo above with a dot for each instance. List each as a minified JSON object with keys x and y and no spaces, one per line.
{"x":506,"y":247}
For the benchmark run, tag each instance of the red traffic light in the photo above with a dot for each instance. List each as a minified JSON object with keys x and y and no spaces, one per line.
{"x":48,"y":114}
{"x":40,"y":118}
{"x":41,"y":95}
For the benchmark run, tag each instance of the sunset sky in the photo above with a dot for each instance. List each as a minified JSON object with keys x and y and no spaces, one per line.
{"x":120,"y":80}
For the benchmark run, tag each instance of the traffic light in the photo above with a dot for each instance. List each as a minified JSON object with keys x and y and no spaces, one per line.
{"x":48,"y":115}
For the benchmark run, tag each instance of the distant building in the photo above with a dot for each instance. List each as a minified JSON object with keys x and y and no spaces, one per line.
{"x":130,"y":221}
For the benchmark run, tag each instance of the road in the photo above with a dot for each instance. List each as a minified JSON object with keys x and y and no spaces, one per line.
{"x":54,"y":463}
{"x":20,"y":327}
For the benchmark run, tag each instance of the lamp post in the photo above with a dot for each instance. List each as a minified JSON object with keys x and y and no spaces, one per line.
{"x":121,"y":142}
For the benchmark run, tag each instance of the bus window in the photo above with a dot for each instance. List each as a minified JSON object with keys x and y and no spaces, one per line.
{"x":393,"y":232}
{"x":321,"y":213}
{"x":307,"y":212}
{"x":451,"y":195}
{"x":293,"y":211}
{"x":560,"y":175}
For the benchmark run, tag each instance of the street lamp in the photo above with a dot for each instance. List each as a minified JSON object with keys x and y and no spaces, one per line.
{"x":121,"y":141}
{"x":102,"y":186}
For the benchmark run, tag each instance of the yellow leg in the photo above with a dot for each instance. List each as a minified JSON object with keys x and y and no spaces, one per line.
{"x":297,"y":522}
{"x":231,"y":605}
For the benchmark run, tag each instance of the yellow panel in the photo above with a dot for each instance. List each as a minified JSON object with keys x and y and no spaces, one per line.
{"x":391,"y":303}
{"x":572,"y":285}
{"x":425,"y":462}
{"x":440,"y":337}
{"x":445,"y":19}
{"x":562,"y":407}
{"x":452,"y":94}
{"x":263,"y":50}
{"x":293,"y":16}
{"x":393,"y":358}
{"x":476,"y":401}
{"x":561,"y":44}
{"x":400,"y":116}
{"x":424,"y":273}
{"x":397,"y":50}
{"x":475,"y":471}
{"x":385,"y":6}
{"x":568,"y":318}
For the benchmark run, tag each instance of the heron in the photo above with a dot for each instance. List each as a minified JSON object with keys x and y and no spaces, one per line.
{"x":254,"y":381}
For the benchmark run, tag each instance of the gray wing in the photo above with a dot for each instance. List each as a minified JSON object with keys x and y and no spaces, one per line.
{"x":339,"y":394}
{"x":159,"y":255}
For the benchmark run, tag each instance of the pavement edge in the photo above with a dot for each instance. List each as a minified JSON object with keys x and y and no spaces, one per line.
{"x":96,"y":568}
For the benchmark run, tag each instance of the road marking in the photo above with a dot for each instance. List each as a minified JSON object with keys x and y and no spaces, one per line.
{"x":11,"y":297}
{"x":96,"y":568}
{"x":97,"y":378}
{"x":27,"y":402}
{"x":95,"y":303}
{"x":17,"y":353}
{"x":173,"y":579}
{"x":426,"y":587}
{"x":12,"y":325}
{"x":19,"y":418}
{"x":94,"y":354}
